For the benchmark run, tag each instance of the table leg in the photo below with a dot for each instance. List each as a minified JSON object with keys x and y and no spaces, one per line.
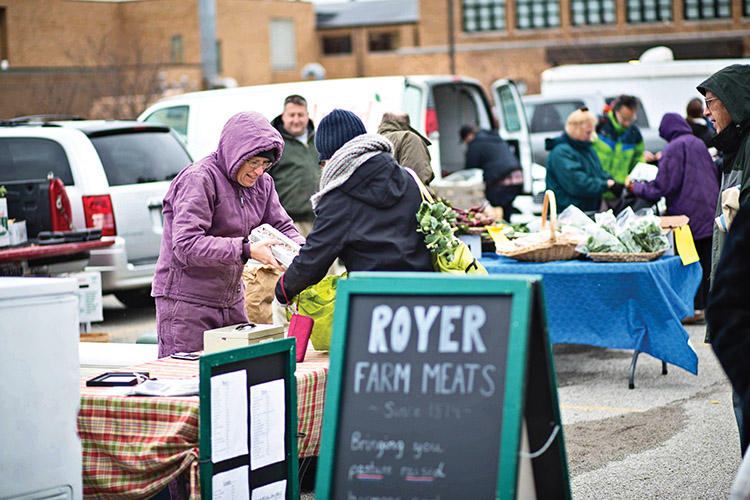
{"x":631,"y":381}
{"x":663,"y":367}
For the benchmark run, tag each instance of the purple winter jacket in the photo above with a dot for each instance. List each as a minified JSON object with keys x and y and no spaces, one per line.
{"x":207,"y":213}
{"x":687,"y":177}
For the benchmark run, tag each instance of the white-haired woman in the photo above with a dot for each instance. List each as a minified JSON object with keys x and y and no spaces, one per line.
{"x":574,"y":171}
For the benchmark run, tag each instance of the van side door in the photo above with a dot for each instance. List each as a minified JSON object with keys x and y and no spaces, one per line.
{"x":512,"y":125}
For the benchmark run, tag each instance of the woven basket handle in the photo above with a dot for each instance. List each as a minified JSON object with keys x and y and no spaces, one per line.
{"x":550,"y":205}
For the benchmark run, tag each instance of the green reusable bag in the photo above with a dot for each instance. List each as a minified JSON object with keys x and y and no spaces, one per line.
{"x":317,"y":301}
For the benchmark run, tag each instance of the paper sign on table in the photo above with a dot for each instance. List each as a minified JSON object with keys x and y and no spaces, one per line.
{"x":497,"y":236}
{"x":683,"y":240}
{"x":228,"y":415}
{"x":267,"y":407}
{"x":232,"y":484}
{"x":273,"y":491}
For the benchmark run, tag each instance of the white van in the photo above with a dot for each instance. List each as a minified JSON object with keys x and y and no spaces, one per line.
{"x":662,"y":84}
{"x":437,"y":105}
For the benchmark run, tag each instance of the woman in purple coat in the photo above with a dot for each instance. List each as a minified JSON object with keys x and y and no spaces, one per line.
{"x":209,"y":211}
{"x":688,"y":179}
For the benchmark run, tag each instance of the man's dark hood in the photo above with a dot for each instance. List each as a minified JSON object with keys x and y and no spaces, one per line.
{"x":731,"y":86}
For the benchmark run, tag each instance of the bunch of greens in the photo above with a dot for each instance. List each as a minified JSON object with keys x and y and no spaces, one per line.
{"x":602,"y":241}
{"x":437,"y":222}
{"x":644,"y":235}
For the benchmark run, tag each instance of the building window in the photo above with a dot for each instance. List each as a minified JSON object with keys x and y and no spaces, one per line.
{"x":649,"y":11}
{"x":283,"y":44}
{"x":592,"y":12}
{"x":537,"y":14}
{"x":219,"y":66}
{"x":746,"y":8}
{"x":709,"y":9}
{"x":175,"y":50}
{"x":382,"y":42}
{"x":3,"y":34}
{"x":337,"y":45}
{"x":483,"y":15}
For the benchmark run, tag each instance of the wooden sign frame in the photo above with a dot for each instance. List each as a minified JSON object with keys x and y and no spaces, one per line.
{"x":264,"y":362}
{"x":530,"y":409}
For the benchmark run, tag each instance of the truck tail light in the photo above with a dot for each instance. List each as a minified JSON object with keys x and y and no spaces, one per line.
{"x":97,"y":210}
{"x":61,"y":214}
{"x":430,"y":122}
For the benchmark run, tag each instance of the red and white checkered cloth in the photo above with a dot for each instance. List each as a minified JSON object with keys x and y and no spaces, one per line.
{"x":134,"y":446}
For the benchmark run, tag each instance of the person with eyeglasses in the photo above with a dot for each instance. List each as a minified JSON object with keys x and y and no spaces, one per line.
{"x":727,"y":97}
{"x":209,"y":211}
{"x":619,"y":143}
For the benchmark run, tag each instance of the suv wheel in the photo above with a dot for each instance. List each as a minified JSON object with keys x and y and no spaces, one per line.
{"x":140,"y":297}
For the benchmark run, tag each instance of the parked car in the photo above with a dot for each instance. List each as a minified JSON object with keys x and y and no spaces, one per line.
{"x":116,"y":174}
{"x":546,"y":116}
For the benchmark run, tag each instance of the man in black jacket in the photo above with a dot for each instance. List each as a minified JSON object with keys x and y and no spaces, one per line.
{"x":503,"y":178}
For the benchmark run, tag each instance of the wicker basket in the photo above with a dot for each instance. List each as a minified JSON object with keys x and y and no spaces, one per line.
{"x":553,"y":249}
{"x":625,"y":257}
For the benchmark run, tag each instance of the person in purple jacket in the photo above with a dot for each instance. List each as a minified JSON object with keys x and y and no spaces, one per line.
{"x":209,"y":211}
{"x":688,"y":179}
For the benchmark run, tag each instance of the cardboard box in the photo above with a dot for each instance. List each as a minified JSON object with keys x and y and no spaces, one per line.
{"x":17,"y":230}
{"x":668,"y":223}
{"x":89,"y":295}
{"x":4,"y":233}
{"x":242,"y":335}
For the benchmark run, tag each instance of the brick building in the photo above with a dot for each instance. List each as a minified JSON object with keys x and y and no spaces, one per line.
{"x":80,"y":56}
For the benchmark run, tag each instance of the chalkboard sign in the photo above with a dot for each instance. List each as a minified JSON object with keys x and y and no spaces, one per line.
{"x":248,"y":423}
{"x":428,"y":393}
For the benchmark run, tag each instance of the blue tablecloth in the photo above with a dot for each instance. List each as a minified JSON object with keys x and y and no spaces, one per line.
{"x":633,"y":305}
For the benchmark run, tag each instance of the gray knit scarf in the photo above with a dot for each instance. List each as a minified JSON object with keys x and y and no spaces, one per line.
{"x":347,"y":159}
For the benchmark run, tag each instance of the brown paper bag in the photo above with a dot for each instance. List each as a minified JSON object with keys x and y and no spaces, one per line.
{"x":260,"y":283}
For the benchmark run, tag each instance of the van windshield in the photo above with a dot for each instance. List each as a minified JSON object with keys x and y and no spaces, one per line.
{"x":138,"y":157}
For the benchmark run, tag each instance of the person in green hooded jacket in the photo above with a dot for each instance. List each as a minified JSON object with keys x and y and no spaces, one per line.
{"x":574,"y":173}
{"x":728,"y":107}
{"x":619,"y":144}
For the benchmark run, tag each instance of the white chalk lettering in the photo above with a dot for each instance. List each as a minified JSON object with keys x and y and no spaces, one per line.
{"x":450,"y":378}
{"x":382,"y":377}
{"x":379,"y":446}
{"x":392,"y":410}
{"x":401,"y":329}
{"x":490,"y":389}
{"x":449,"y":314}
{"x":424,"y":320}
{"x":381,"y":317}
{"x":474,"y":319}
{"x":420,"y":448}
{"x":371,"y":468}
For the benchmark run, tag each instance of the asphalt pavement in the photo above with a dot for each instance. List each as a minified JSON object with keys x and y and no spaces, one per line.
{"x":672,"y":437}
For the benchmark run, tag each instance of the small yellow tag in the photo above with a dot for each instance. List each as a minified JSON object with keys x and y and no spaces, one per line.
{"x":497,"y":236}
{"x":683,"y":240}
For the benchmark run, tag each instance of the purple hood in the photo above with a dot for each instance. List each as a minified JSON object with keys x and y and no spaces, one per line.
{"x":207,"y":213}
{"x":673,"y":126}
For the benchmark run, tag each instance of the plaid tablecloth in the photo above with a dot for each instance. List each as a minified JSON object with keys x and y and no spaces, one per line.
{"x":134,"y":446}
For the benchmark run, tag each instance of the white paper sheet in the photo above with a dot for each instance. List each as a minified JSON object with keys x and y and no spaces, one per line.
{"x":273,"y":491}
{"x":228,"y":415}
{"x":267,"y":409}
{"x":232,"y":485}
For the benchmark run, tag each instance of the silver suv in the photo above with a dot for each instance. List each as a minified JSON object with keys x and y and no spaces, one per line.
{"x":116,"y":174}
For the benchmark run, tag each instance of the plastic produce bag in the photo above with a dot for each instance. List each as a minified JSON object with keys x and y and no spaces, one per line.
{"x":602,"y":241}
{"x":574,"y":216}
{"x":317,"y":301}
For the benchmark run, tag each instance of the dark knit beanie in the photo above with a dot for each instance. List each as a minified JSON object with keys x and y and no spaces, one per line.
{"x":335,"y":129}
{"x":268,"y":155}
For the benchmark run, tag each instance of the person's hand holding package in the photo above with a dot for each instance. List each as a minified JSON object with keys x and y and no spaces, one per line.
{"x":261,"y":251}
